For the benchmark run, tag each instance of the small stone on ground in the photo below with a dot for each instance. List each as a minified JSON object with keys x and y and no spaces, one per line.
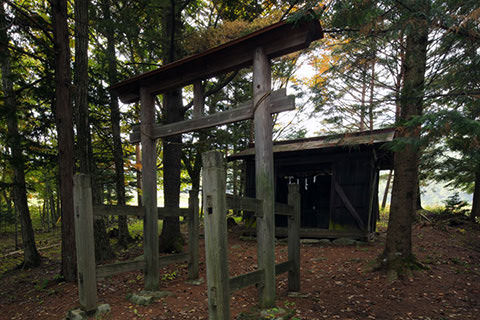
{"x":76,"y":314}
{"x":145,"y":298}
{"x":102,"y":310}
{"x":196,"y":282}
{"x":298,"y":295}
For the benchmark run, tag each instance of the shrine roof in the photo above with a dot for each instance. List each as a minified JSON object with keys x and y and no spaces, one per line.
{"x":276,"y":40}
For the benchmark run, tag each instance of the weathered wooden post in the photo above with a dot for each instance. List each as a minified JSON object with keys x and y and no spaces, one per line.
{"x":214,"y":189}
{"x":264,"y":174}
{"x":149,"y":191}
{"x":83,"y":209}
{"x":294,"y":238}
{"x":193,"y":225}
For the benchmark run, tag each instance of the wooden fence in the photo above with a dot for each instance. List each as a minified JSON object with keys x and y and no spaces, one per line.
{"x":88,"y":271}
{"x":220,"y":284}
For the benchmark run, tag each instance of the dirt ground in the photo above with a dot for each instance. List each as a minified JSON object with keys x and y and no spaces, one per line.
{"x":337,"y":282}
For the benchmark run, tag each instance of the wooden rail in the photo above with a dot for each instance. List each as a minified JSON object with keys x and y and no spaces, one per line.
{"x":110,"y":210}
{"x":220,"y":285}
{"x":244,"y":203}
{"x":88,"y":272}
{"x":255,"y":205}
{"x":257,"y":276}
{"x":246,"y":280}
{"x":280,"y":102}
{"x":132,"y":265}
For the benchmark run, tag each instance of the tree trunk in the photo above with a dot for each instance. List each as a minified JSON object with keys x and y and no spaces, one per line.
{"x":138,"y":163}
{"x":418,"y":202}
{"x":171,"y":239}
{"x":372,"y":91}
{"x":123,"y":234}
{"x":475,"y":213}
{"x":398,"y":256}
{"x":31,"y":257}
{"x":64,"y":123}
{"x":103,"y":250}
{"x":362,"y":98}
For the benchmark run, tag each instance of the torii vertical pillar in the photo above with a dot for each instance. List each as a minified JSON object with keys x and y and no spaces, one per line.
{"x":149,"y":191}
{"x":264,"y":176}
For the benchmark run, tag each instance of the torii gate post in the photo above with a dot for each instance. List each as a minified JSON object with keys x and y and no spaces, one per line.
{"x":264,"y":175}
{"x":149,"y":190}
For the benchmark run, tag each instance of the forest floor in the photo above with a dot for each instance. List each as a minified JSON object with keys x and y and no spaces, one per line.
{"x":337,"y":282}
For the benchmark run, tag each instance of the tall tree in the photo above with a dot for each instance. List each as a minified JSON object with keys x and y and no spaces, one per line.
{"x":103,"y":250}
{"x":398,"y":255}
{"x":64,"y":121}
{"x":173,"y":111}
{"x":123,"y":234}
{"x":31,"y":257}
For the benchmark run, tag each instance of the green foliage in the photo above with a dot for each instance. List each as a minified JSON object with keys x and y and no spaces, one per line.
{"x":169,"y":276}
{"x":455,"y":205}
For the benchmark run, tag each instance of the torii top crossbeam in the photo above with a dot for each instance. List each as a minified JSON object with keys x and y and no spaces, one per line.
{"x":276,"y":40}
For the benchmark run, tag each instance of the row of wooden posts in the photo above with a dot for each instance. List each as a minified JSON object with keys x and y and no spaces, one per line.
{"x":89,"y":272}
{"x":216,"y":204}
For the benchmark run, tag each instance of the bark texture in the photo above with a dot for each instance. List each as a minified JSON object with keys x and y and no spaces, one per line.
{"x":64,"y":123}
{"x":475,"y":213}
{"x":398,"y":256}
{"x":171,"y":239}
{"x":103,"y":250}
{"x":31,"y":257}
{"x":123,"y":234}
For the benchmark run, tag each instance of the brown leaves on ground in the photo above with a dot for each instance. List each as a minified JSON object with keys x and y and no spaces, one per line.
{"x":337,"y":283}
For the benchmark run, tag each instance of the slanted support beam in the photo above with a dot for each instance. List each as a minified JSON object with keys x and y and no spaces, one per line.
{"x":264,"y":174}
{"x":215,"y":220}
{"x":149,"y":191}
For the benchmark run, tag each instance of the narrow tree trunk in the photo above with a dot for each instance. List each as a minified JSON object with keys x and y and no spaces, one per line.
{"x":475,"y":213}
{"x":103,"y":250}
{"x":123,"y":234}
{"x":372,"y":91}
{"x":64,"y":122}
{"x":398,"y":255}
{"x":31,"y":257}
{"x":418,"y":202}
{"x":362,"y":98}
{"x":138,"y":162}
{"x":171,"y":239}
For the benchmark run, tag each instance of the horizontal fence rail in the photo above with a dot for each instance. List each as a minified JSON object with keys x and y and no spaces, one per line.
{"x":255,"y":205}
{"x":257,"y":276}
{"x":89,"y":272}
{"x":245,"y":203}
{"x":217,"y":202}
{"x":163,"y":212}
{"x":132,"y":265}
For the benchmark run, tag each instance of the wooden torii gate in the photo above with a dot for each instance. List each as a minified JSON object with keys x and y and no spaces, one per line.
{"x":256,"y":48}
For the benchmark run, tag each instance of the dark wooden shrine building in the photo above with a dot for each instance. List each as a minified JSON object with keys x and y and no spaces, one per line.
{"x":338,"y":177}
